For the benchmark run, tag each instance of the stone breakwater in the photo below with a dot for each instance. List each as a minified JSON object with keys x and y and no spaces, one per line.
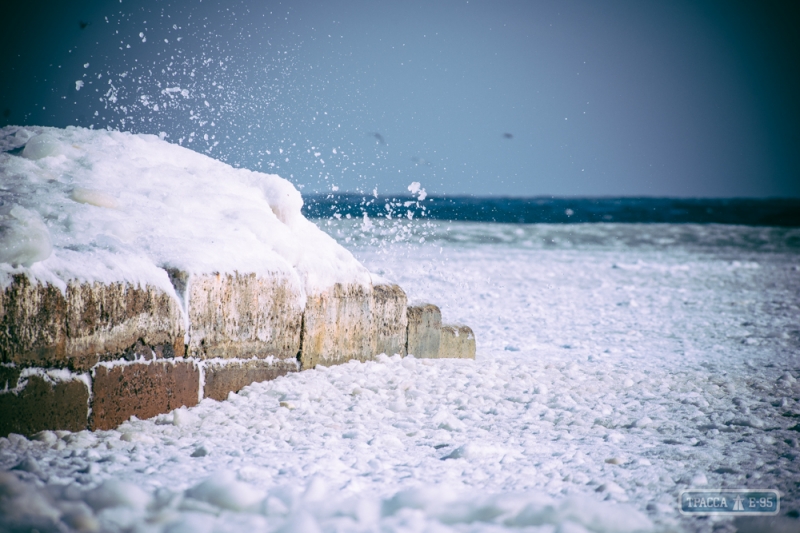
{"x":138,"y":276}
{"x":96,"y":354}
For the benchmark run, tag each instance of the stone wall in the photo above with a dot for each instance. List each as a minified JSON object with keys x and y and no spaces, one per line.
{"x":428,"y":338}
{"x":457,"y":341}
{"x":235,"y":315}
{"x":41,"y":326}
{"x":95,"y":355}
{"x":221,"y":377}
{"x":390,"y":319}
{"x":43,"y":403}
{"x":424,"y":331}
{"x":337,"y":326}
{"x":353,"y":322}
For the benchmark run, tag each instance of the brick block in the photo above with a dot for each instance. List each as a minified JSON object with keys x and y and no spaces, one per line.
{"x":457,"y":341}
{"x":44,"y":404}
{"x":424,"y":331}
{"x":141,"y":389}
{"x":222,"y":377}
{"x":9,"y":374}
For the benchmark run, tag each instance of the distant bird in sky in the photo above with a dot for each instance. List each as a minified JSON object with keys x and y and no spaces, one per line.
{"x":378,"y":137}
{"x":82,"y":25}
{"x":508,"y":136}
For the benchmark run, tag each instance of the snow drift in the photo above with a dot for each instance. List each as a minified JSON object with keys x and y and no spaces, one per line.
{"x":107,"y":206}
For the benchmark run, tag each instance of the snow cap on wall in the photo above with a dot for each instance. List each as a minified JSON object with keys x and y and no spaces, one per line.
{"x":108,"y":206}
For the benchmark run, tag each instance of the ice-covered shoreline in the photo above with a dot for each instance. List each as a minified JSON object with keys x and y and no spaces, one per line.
{"x":593,"y":362}
{"x":133,"y":271}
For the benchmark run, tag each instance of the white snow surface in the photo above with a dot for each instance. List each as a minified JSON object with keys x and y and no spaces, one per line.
{"x":617,"y":365}
{"x":108,"y":206}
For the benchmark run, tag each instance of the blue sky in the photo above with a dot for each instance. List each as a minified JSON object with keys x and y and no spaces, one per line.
{"x":566,"y":98}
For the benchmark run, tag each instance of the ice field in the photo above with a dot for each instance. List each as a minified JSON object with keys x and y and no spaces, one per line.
{"x":617,"y":365}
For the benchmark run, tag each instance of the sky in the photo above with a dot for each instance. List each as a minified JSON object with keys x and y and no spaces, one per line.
{"x":510,"y":98}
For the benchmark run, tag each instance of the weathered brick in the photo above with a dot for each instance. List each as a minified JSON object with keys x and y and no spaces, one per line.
{"x":141,"y":389}
{"x":222,"y":377}
{"x":389,"y":315}
{"x":9,"y":374}
{"x":32,"y":323}
{"x":44,"y":404}
{"x":457,"y":341}
{"x":107,"y":320}
{"x":40,"y":326}
{"x":242,"y":316}
{"x":338,"y":326}
{"x":424,"y":331}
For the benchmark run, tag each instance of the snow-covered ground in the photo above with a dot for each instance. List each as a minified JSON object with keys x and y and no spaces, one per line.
{"x":617,"y":365}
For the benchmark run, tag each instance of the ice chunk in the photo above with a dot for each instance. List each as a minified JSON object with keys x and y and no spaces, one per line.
{"x":92,"y":197}
{"x":224,"y":491}
{"x":473,"y":450}
{"x":183,"y":417}
{"x":42,"y":145}
{"x":282,"y":197}
{"x":78,"y":516}
{"x":200,"y":451}
{"x":416,"y":189}
{"x":115,"y":493}
{"x":24,"y":239}
{"x":13,"y":137}
{"x":571,"y":527}
{"x":48,"y":437}
{"x":31,"y":465}
{"x":428,"y":497}
{"x":698,"y":480}
{"x":22,"y":501}
{"x":583,"y":511}
{"x":301,"y":522}
{"x":193,"y":522}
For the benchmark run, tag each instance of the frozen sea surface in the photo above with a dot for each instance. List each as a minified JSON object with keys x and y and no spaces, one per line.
{"x":617,"y":365}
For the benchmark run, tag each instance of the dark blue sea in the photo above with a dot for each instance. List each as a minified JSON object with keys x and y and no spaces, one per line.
{"x":783,"y":212}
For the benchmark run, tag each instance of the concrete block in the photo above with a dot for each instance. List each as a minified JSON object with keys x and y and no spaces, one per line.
{"x":39,"y":326}
{"x":44,"y":404}
{"x":457,"y":341}
{"x":243,"y":316}
{"x":222,"y":377}
{"x":424,"y":331}
{"x":141,"y":389}
{"x":390,"y":317}
{"x":338,"y":326}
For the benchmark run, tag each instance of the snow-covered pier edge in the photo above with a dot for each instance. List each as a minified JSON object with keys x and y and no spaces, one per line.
{"x":99,"y":354}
